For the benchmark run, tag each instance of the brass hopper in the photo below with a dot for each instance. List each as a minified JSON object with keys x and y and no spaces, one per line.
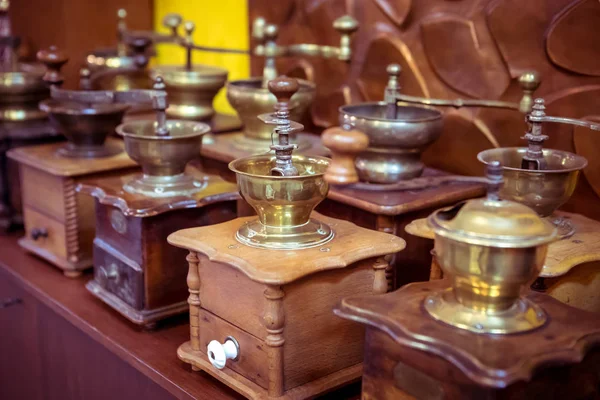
{"x":490,"y":249}
{"x":399,"y":132}
{"x":192,"y":87}
{"x":543,"y":179}
{"x":163,"y":148}
{"x":116,"y":57}
{"x":251,"y":97}
{"x":21,"y":84}
{"x":124,"y":66}
{"x":85,"y":125}
{"x":283,"y":188}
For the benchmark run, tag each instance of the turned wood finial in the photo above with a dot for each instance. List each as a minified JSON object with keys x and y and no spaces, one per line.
{"x":139,"y":46}
{"x":53,"y":59}
{"x":345,"y":144}
{"x":283,"y":88}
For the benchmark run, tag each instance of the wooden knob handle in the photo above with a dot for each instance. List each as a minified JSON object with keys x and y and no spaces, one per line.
{"x":345,"y":145}
{"x":283,"y":88}
{"x":53,"y":59}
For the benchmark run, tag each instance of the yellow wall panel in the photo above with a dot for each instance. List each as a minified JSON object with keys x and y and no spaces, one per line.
{"x":219,"y":23}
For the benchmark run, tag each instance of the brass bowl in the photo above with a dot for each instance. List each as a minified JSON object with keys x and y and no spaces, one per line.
{"x":85,"y":126}
{"x":108,"y":58}
{"x":250,"y":99}
{"x":163,"y":157}
{"x":490,"y":250}
{"x":191,"y":93}
{"x":283,"y":203}
{"x":395,"y":145}
{"x":20,"y":93}
{"x":542,"y":190}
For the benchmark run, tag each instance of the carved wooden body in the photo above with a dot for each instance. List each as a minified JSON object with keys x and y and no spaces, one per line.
{"x":59,"y":223}
{"x":390,"y":212}
{"x":278,"y":306}
{"x":14,"y":135}
{"x":409,"y":355}
{"x":136,"y":271}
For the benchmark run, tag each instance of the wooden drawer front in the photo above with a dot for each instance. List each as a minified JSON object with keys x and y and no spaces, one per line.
{"x":252,"y":361}
{"x":118,"y":274}
{"x":55,"y":242}
{"x":43,"y":191}
{"x":120,"y":232}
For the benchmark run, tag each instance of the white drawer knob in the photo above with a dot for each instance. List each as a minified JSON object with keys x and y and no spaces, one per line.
{"x":218,"y":353}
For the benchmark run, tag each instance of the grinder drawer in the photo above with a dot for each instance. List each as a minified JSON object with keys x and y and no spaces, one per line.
{"x":118,"y":274}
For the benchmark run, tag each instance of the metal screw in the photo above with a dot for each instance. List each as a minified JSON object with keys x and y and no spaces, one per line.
{"x":431,"y":301}
{"x":159,"y":190}
{"x":320,"y":231}
{"x":540,"y":315}
{"x":478,"y":327}
{"x":232,"y":246}
{"x":325,"y":249}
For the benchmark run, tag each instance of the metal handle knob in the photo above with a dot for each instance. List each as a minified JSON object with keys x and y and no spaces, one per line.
{"x":9,"y":302}
{"x":37,"y":233}
{"x":172,"y":22}
{"x":110,"y":273}
{"x":346,"y":26}
{"x":218,"y":353}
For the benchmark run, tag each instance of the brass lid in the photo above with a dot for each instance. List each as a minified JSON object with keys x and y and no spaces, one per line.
{"x":493,"y":223}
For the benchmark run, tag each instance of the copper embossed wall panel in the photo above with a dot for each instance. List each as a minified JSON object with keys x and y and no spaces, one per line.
{"x":459,"y":48}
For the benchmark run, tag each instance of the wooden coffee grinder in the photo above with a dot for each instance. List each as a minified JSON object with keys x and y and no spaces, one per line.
{"x":262,"y":288}
{"x":59,"y":223}
{"x":479,"y":333}
{"x":544,"y":179}
{"x":383,"y":184}
{"x":251,"y":97}
{"x":22,"y":123}
{"x":135,"y":271}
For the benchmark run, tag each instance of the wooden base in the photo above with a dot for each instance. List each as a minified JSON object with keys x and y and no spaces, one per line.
{"x":198,"y":361}
{"x":138,"y":317}
{"x":71,"y":269}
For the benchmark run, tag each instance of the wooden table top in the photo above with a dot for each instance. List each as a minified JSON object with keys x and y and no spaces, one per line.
{"x":154,"y":353}
{"x":402,"y":202}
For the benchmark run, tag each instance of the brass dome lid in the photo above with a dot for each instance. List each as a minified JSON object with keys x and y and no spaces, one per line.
{"x":493,"y":223}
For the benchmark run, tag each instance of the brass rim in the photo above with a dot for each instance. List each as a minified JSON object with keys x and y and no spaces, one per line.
{"x":579,"y":160}
{"x":523,"y":316}
{"x":195,"y":129}
{"x":351,"y":111}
